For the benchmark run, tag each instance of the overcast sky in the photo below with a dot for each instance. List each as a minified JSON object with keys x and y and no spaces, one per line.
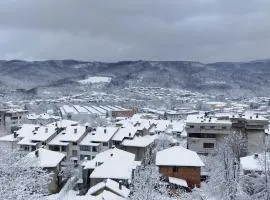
{"x":113,"y":30}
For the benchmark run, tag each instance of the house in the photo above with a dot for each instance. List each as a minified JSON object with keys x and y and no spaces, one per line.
{"x":50,"y":161}
{"x":99,"y":140}
{"x":127,"y":131}
{"x":111,"y":186}
{"x":38,"y":137}
{"x":139,"y":145}
{"x":181,"y":163}
{"x":34,"y":136}
{"x":114,"y":164}
{"x":43,"y":119}
{"x":9,"y":142}
{"x":254,"y":163}
{"x":66,"y":141}
{"x":123,"y":112}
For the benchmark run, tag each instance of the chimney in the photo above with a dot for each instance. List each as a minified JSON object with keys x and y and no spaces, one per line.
{"x":37,"y":153}
{"x":120,"y":185}
{"x":257,"y":116}
{"x":129,"y":134}
{"x":105,"y":130}
{"x":75,"y":130}
{"x":256,"y":156}
{"x":15,"y":135}
{"x":111,"y":154}
{"x":250,"y":117}
{"x":36,"y":128}
{"x":46,"y":130}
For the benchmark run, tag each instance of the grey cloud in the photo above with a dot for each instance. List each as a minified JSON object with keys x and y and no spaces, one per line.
{"x":204,"y":30}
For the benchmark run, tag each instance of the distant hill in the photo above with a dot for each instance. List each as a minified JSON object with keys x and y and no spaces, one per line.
{"x":225,"y":78}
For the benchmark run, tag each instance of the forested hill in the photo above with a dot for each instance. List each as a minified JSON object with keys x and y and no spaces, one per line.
{"x":247,"y":78}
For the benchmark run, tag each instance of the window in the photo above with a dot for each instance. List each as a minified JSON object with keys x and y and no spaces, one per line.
{"x":74,"y":143}
{"x":94,"y":149}
{"x":85,"y":148}
{"x":208,"y":145}
{"x":64,"y":148}
{"x":105,"y":144}
{"x":175,"y":169}
{"x":202,"y":127}
{"x":224,"y":127}
{"x":191,"y":126}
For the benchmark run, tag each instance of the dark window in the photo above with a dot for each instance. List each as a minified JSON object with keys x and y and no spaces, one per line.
{"x":191,"y":126}
{"x":64,"y":148}
{"x":224,"y":127}
{"x":175,"y":169}
{"x":208,"y":145}
{"x":94,"y":149}
{"x":85,"y":148}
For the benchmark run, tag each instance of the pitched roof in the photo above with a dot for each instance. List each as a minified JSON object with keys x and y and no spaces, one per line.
{"x":110,"y":185}
{"x":139,"y":141}
{"x":178,"y":156}
{"x":45,"y":158}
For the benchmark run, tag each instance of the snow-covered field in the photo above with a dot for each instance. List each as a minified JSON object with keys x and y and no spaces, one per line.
{"x":96,"y":79}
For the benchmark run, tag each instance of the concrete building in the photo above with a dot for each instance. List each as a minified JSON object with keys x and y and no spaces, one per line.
{"x":205,"y":131}
{"x":11,"y":118}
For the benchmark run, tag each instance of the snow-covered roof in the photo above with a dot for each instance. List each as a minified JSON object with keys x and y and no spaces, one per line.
{"x":125,"y":132}
{"x":107,"y":195}
{"x":45,"y":158}
{"x":43,"y":133}
{"x":161,"y":126}
{"x":206,"y":119}
{"x":70,"y":134}
{"x":178,"y":181}
{"x":26,"y":129}
{"x":110,"y":154}
{"x":112,"y":186}
{"x":102,"y":134}
{"x":254,"y":162}
{"x":9,"y":138}
{"x":139,"y":141}
{"x":113,"y":163}
{"x":178,"y":156}
{"x":69,"y":109}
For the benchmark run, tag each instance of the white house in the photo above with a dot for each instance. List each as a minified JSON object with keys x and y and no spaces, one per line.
{"x":96,"y":141}
{"x":114,"y":164}
{"x":50,"y":161}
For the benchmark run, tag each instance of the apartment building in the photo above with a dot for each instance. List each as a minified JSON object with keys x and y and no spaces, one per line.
{"x":205,"y":131}
{"x":11,"y":118}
